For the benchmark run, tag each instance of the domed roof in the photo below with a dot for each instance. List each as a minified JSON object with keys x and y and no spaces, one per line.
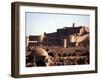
{"x":40,"y":52}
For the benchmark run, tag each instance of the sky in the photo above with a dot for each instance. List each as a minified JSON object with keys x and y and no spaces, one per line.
{"x":38,"y":23}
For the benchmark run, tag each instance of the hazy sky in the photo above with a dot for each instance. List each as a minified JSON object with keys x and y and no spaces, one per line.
{"x":38,"y":23}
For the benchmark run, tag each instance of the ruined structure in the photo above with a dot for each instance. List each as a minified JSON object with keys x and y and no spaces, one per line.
{"x":64,"y":37}
{"x":66,"y":46}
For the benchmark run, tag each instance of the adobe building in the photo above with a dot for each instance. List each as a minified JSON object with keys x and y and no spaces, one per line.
{"x":64,"y":37}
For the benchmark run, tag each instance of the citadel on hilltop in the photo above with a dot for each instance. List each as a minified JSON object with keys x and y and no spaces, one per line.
{"x":64,"y":37}
{"x":66,"y":46}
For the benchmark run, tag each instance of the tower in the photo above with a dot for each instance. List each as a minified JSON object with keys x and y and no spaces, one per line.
{"x":73,"y":25}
